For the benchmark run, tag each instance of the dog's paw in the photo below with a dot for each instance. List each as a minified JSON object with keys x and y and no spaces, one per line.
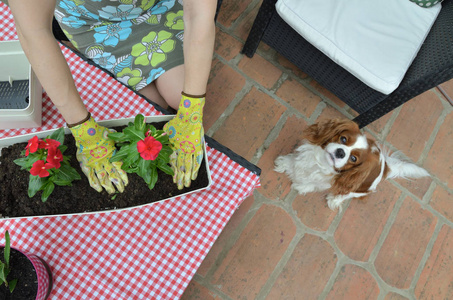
{"x":281,"y":164}
{"x":302,"y":189}
{"x":334,"y":202}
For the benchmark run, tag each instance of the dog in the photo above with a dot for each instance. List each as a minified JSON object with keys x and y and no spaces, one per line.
{"x":336,"y":156}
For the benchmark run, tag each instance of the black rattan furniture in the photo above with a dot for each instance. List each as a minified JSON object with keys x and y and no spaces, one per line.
{"x":432,"y":66}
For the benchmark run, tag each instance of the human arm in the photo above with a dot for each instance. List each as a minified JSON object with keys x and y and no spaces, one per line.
{"x":186,"y":129}
{"x":34,"y":27}
{"x":199,"y":36}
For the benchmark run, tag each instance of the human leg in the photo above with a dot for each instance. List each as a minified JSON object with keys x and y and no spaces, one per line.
{"x":170,"y":85}
{"x":150,"y":92}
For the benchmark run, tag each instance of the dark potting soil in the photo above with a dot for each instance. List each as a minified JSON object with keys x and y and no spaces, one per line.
{"x":80,"y":197}
{"x":21,"y":269}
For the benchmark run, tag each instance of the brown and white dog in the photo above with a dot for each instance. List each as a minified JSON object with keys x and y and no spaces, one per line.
{"x":338,"y":157}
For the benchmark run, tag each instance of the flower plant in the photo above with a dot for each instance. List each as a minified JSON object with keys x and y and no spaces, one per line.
{"x":4,"y":266}
{"x":47,"y":165}
{"x":143,"y":149}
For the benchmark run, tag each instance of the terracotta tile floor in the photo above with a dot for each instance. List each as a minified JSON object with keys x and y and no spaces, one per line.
{"x":279,"y":245}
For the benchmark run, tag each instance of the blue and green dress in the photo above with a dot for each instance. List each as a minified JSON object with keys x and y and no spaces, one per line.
{"x":136,"y":40}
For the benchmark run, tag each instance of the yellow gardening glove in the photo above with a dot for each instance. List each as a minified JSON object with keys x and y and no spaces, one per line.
{"x":186,"y":137}
{"x":94,"y":149}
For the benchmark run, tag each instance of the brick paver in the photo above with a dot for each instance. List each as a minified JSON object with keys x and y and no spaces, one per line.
{"x":225,"y":237}
{"x":196,"y":291}
{"x":424,"y":112}
{"x":354,"y":282}
{"x":313,"y":260}
{"x":247,"y":266}
{"x":231,"y":11}
{"x":441,"y":201}
{"x":249,"y":125}
{"x":363,"y":222}
{"x":440,"y":160}
{"x":226,"y":46}
{"x":437,"y":278}
{"x":395,"y":245}
{"x":277,"y":185}
{"x":405,"y":244}
{"x":224,"y":84}
{"x":298,"y":96}
{"x":312,"y":210}
{"x":260,"y":70}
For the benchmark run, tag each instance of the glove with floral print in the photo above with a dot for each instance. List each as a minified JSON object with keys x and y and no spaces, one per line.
{"x":186,"y":136}
{"x":94,"y":149}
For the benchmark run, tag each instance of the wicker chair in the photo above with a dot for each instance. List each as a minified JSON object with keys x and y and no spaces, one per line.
{"x":432,"y":66}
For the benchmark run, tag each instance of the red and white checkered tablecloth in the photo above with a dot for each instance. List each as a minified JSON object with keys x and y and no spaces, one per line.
{"x":151,"y":252}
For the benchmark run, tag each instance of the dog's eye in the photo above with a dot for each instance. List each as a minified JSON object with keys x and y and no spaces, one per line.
{"x":343,"y":139}
{"x":353,"y":158}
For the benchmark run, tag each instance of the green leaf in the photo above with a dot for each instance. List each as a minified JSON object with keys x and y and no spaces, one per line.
{"x":27,"y":162}
{"x":66,"y":173}
{"x":139,"y":122}
{"x":35,"y":184}
{"x":2,"y":273}
{"x":12,"y":285}
{"x":131,"y":159}
{"x":48,"y":189}
{"x":116,"y":136}
{"x":144,"y":170}
{"x":62,"y":182}
{"x":133,"y":134}
{"x":153,"y":180}
{"x":133,"y":169}
{"x":21,"y":162}
{"x":153,"y":129}
{"x":163,"y":140}
{"x":7,"y":249}
{"x":166,"y":150}
{"x":58,"y":135}
{"x":164,"y":155}
{"x":132,"y":149}
{"x":165,"y":168}
{"x":121,"y":154}
{"x":63,"y":148}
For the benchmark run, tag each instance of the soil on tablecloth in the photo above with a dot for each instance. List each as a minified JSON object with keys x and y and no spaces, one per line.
{"x":21,"y":269}
{"x":80,"y":197}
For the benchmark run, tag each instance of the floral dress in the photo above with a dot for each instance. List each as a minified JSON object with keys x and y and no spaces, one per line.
{"x":136,"y":40}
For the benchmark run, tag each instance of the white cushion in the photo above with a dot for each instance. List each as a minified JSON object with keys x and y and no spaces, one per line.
{"x":375,"y":40}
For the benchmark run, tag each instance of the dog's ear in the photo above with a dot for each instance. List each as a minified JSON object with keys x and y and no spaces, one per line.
{"x":399,"y":167}
{"x":356,"y":180}
{"x":322,"y":132}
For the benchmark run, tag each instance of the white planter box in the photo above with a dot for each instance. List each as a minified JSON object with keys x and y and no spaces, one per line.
{"x":109,"y":123}
{"x":15,"y":70}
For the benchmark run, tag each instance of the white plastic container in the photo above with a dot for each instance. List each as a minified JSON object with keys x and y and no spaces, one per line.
{"x":15,"y":112}
{"x":108,"y":123}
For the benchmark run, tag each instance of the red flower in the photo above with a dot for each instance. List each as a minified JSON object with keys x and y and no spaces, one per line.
{"x":40,"y":168}
{"x":49,"y":143}
{"x":149,"y":148}
{"x":32,"y":145}
{"x":54,"y":157}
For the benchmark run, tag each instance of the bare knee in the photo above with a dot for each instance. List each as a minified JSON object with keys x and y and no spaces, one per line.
{"x":170,"y":85}
{"x":151,"y":93}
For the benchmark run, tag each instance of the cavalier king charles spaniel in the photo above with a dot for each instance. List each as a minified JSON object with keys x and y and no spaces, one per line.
{"x":338,"y":157}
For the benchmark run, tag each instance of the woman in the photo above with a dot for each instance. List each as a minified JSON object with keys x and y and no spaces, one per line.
{"x":140,"y":43}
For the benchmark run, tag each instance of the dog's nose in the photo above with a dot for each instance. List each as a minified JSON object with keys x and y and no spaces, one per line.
{"x":339,"y":153}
